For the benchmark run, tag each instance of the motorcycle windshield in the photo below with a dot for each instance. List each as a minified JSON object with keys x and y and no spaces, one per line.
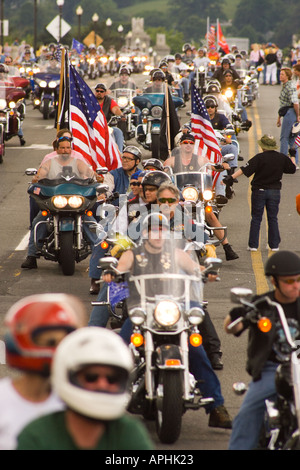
{"x":123,"y":96}
{"x":200,"y":180}
{"x":6,"y":86}
{"x":165,"y":272}
{"x":50,"y":66}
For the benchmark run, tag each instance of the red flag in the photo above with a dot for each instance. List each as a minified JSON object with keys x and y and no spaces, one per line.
{"x":222,"y":41}
{"x":203,"y":130}
{"x":210,"y":36}
{"x":91,"y":135}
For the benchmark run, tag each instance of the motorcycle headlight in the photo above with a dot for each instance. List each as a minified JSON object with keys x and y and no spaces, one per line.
{"x":28,"y":70}
{"x":43,"y":84}
{"x":52,"y":84}
{"x":92,"y":61}
{"x":137,"y":316}
{"x":201,"y":68}
{"x":122,"y":101}
{"x":190,"y":194}
{"x":156,"y":112}
{"x":22,"y":69}
{"x":229,"y":93}
{"x":195,"y":316}
{"x":75,"y":202}
{"x":2,"y":104}
{"x":166,"y":313}
{"x":145,"y":111}
{"x":59,"y":202}
{"x":36,"y":70}
{"x":12,"y":105}
{"x":207,"y":195}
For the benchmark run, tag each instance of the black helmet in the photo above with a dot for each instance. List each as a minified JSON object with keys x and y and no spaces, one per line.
{"x":154,"y":163}
{"x":135,"y":151}
{"x":283,"y":263}
{"x":155,"y":178}
{"x":158,"y":75}
{"x":210,"y":100}
{"x":186,"y":47}
{"x":124,"y":70}
{"x":163,"y":63}
{"x":178,"y":56}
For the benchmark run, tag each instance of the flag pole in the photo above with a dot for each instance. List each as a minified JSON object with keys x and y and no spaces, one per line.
{"x":168,"y":119}
{"x":62,"y":71}
{"x":207,"y":32}
{"x":218,"y":35}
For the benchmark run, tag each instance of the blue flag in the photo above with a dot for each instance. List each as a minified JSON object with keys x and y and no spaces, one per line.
{"x":78,"y":46}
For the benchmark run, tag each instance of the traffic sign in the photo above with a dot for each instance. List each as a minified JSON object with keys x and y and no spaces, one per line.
{"x":53,"y":27}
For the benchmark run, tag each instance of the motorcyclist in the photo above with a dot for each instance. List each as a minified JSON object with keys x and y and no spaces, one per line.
{"x":33,"y":327}
{"x":154,"y":250}
{"x":124,"y":81}
{"x":52,"y":169}
{"x":235,"y":85}
{"x":283,"y":268}
{"x":220,"y":72}
{"x":157,"y":82}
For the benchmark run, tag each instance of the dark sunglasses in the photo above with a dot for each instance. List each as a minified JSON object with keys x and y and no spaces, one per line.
{"x":290,"y":281}
{"x":63,"y":138}
{"x":164,"y":200}
{"x":210,"y":106}
{"x":133,"y":183}
{"x":91,"y":377}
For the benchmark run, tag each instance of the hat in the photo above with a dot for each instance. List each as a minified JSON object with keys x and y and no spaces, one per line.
{"x":267,"y":142}
{"x":101,"y":86}
{"x":296,"y":128}
{"x":135,"y":175}
{"x":187,"y":137}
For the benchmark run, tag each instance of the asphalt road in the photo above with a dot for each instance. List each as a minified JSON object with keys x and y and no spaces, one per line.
{"x":247,"y":271}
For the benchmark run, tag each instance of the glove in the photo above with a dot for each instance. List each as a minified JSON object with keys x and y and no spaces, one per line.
{"x":219,"y":167}
{"x":237,"y":312}
{"x":229,"y":180}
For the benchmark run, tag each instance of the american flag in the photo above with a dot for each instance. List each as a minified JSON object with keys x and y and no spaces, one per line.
{"x":297,"y":141}
{"x":91,"y":136}
{"x":203,"y":130}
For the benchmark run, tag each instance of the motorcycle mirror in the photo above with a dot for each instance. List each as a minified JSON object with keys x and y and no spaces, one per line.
{"x":237,"y":294}
{"x":31,"y":171}
{"x":212,"y":264}
{"x":239,"y":388}
{"x":102,"y":188}
{"x":229,"y":157}
{"x":102,"y":171}
{"x":108,"y":262}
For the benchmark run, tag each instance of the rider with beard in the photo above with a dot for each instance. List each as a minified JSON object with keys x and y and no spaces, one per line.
{"x":34,"y":326}
{"x":90,"y":373}
{"x":153,"y":251}
{"x":284,"y":269}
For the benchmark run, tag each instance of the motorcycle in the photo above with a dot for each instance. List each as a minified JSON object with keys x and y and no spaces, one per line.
{"x":124,"y":99}
{"x":65,"y":201}
{"x":147,"y":133}
{"x":12,"y":112}
{"x":165,"y":310}
{"x":27,"y":72}
{"x":46,"y":90}
{"x":282,"y":415}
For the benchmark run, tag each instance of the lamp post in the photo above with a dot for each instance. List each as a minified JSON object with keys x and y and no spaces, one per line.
{"x":2,"y":22}
{"x":108,"y":24}
{"x":79,"y":12}
{"x":60,"y":4}
{"x":35,"y":26}
{"x":95,"y":19}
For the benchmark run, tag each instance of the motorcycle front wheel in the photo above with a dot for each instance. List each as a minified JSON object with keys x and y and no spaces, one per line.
{"x":67,"y":254}
{"x":46,"y":110}
{"x":155,"y":145}
{"x":169,"y":406}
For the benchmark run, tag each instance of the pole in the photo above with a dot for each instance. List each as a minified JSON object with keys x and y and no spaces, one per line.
{"x":217,"y":34}
{"x":35,"y":26}
{"x":2,"y":23}
{"x":60,"y":16}
{"x":207,"y":32}
{"x":168,"y":119}
{"x":62,"y":82}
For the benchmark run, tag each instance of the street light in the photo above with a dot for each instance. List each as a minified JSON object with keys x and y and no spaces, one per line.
{"x":108,"y":24}
{"x":2,"y":21}
{"x":95,"y":19}
{"x":60,"y":4}
{"x":79,"y":12}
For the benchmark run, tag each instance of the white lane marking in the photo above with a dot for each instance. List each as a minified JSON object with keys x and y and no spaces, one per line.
{"x":32,"y":147}
{"x":23,"y":245}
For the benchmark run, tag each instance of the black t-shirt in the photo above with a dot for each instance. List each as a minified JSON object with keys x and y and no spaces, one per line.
{"x":268,"y":168}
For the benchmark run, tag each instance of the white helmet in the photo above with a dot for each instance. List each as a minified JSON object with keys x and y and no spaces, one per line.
{"x":91,"y":346}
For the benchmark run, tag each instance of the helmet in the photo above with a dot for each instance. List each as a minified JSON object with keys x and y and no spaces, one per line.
{"x":186,"y":47}
{"x":210,"y":100}
{"x":155,"y":178}
{"x":124,"y":70}
{"x":296,"y":128}
{"x":178,"y":56}
{"x":135,"y":151}
{"x":155,"y":219}
{"x":29,"y":317}
{"x":170,"y":58}
{"x":163,"y":63}
{"x":154,"y":163}
{"x":283,"y":263}
{"x":226,"y":60}
{"x":158,"y":75}
{"x":85,"y":347}
{"x":213,"y":88}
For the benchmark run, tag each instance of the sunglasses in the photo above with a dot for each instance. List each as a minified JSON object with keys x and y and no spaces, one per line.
{"x":210,"y":106}
{"x":127,"y":159}
{"x":290,"y":281}
{"x":91,"y":377}
{"x":63,"y":138}
{"x":135,"y":184}
{"x":188,"y":142}
{"x":164,"y":200}
{"x":100,"y":91}
{"x":150,"y":189}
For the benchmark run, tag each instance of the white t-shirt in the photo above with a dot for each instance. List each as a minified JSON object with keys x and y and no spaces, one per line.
{"x":16,"y":412}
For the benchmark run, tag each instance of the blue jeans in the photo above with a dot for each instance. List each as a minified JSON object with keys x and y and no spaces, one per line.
{"x":286,"y":138}
{"x":119,"y":138}
{"x":200,"y":367}
{"x":100,"y":314}
{"x":260,"y":199}
{"x":249,"y":420}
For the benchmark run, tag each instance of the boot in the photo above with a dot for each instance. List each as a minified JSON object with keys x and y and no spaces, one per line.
{"x":22,"y":140}
{"x":95,"y":287}
{"x":219,"y":418}
{"x":186,"y":97}
{"x":29,"y":263}
{"x":229,"y":253}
